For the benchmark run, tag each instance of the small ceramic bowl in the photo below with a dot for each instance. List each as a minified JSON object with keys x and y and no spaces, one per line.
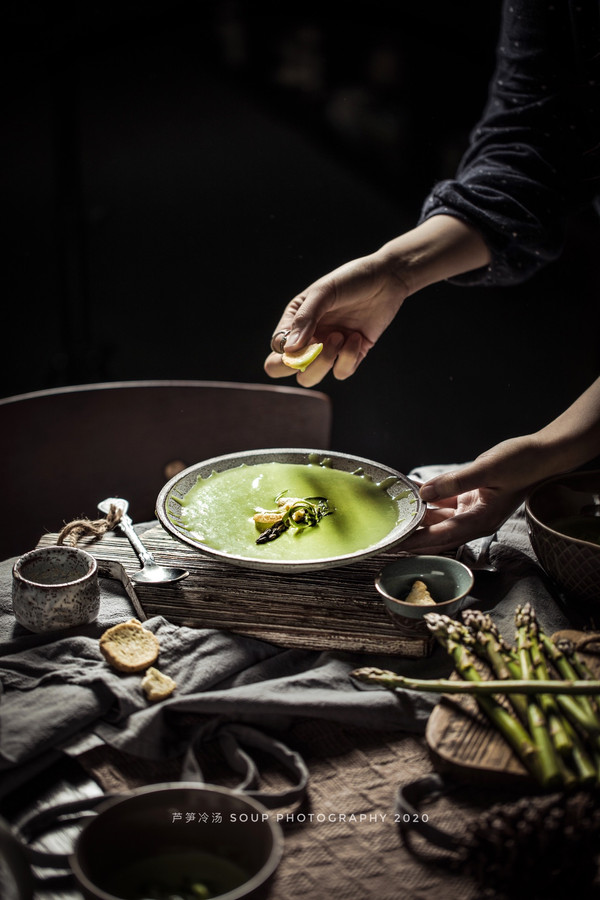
{"x":563,"y":519}
{"x":54,"y":588}
{"x":448,"y":581}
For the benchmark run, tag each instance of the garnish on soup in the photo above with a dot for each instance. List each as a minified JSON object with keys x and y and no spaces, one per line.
{"x":292,"y":512}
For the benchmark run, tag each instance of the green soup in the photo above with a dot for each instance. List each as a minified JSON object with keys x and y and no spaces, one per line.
{"x":218,"y":511}
{"x":179,"y":875}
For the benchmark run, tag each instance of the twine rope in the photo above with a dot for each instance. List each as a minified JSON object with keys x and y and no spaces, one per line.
{"x":73,"y":531}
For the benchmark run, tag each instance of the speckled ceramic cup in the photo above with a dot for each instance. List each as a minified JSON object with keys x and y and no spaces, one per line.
{"x":54,"y":588}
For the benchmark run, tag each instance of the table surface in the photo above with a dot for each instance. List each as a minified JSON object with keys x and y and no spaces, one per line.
{"x":345,"y":836}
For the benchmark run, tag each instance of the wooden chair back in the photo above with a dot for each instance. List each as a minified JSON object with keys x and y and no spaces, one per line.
{"x":63,"y":450}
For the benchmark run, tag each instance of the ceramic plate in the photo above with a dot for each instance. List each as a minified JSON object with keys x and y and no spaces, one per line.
{"x":405,"y":493}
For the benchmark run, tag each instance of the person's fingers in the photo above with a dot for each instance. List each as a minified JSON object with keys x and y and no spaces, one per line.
{"x":509,"y":466}
{"x":309,"y":308}
{"x":275,"y":368}
{"x":350,"y":356}
{"x":278,"y":341}
{"x":273,"y":365}
{"x":316,"y":371}
{"x":475,"y":519}
{"x":309,"y":318}
{"x":434,"y":515}
{"x":296,"y":329}
{"x":342,"y":354}
{"x":446,"y":535}
{"x":451,"y":484}
{"x":283,"y":328}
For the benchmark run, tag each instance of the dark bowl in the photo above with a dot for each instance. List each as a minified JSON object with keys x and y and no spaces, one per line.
{"x":178,"y":821}
{"x":562,"y":514}
{"x":411,"y":508}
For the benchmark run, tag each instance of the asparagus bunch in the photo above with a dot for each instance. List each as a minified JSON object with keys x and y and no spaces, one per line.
{"x":540,"y":697}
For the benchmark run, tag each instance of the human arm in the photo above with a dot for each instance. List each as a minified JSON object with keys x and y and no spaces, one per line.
{"x":350,"y":308}
{"x":475,"y":500}
{"x":532,"y":158}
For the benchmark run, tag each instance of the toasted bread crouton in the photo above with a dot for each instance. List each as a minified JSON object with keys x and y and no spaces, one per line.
{"x":129,"y":647}
{"x":266,"y":519}
{"x":156,"y":685}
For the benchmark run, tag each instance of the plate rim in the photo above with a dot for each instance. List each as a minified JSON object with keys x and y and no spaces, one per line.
{"x":287,"y":566}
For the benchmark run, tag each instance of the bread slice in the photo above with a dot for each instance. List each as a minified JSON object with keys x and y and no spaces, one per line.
{"x":156,"y":685}
{"x":129,"y":647}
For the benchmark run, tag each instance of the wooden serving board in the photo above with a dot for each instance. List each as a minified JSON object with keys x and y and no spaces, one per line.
{"x":330,"y":609}
{"x":463,"y":744}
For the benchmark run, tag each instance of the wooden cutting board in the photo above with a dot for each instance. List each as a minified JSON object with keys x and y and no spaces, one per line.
{"x":464,"y":745}
{"x":334,"y":609}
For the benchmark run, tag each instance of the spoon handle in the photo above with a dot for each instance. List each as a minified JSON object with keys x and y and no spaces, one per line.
{"x":126,"y":526}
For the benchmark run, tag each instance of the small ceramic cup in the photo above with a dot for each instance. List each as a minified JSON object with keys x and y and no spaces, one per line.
{"x":54,"y":588}
{"x":448,"y":581}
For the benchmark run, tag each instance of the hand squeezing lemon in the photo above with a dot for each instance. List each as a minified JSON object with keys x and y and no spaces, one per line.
{"x":301,"y":359}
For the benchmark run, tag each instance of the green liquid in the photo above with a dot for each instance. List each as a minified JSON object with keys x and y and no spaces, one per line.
{"x":218,"y":511}
{"x":185,"y":875}
{"x":583,"y":528}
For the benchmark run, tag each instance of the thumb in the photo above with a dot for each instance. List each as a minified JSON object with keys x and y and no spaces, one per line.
{"x":313,"y":304}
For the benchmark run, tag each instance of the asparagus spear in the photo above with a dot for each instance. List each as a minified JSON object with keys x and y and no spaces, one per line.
{"x":579,"y":710}
{"x":493,"y":649}
{"x":475,"y":687}
{"x":580,"y":666}
{"x":588,"y":769}
{"x":538,"y":724}
{"x":481,"y":623}
{"x":560,"y":734}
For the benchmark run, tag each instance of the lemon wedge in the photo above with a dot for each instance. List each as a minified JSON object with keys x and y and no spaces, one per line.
{"x":301,"y":359}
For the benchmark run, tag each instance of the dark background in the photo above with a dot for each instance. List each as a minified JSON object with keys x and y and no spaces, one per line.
{"x":173,"y":173}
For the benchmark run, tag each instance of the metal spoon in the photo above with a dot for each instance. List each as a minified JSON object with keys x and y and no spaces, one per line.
{"x":151,"y":572}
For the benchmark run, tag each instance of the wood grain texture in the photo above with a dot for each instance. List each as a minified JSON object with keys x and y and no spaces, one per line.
{"x":336,"y":609}
{"x":464,"y":745}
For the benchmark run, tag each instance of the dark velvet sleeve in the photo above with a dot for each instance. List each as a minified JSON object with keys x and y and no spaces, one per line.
{"x":531,"y":157}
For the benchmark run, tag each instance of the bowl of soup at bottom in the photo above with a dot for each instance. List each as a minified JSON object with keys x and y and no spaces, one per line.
{"x":370,"y":508}
{"x":185,"y":840}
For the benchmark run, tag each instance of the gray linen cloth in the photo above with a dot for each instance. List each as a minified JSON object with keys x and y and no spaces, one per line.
{"x":58,"y":694}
